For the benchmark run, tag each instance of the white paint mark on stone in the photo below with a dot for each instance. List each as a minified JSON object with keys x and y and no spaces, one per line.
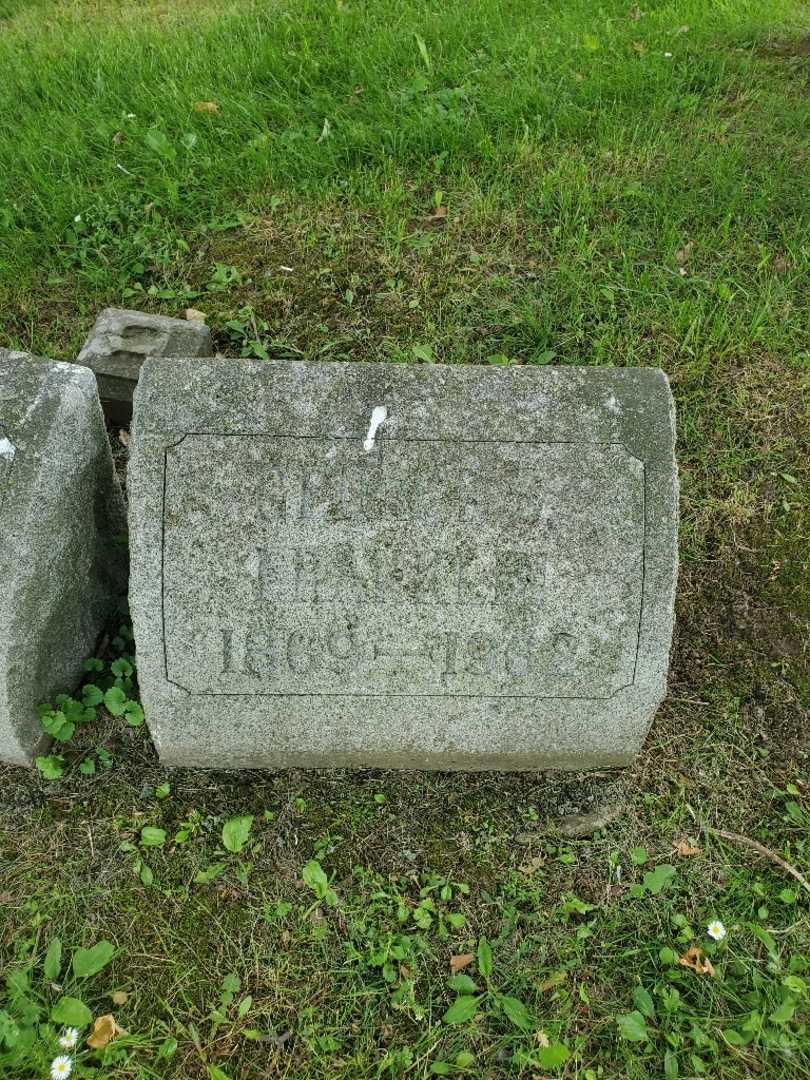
{"x":613,"y":404}
{"x":7,"y":450}
{"x":378,"y":415}
{"x":27,"y":416}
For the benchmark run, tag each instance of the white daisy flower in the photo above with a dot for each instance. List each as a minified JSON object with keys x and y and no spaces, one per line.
{"x":78,"y":217}
{"x":61,"y":1067}
{"x":69,"y":1039}
{"x":716,"y":930}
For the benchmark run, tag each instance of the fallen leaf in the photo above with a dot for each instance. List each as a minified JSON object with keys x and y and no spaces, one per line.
{"x":695,"y":959}
{"x":193,"y":315}
{"x":120,"y":997}
{"x":684,"y":848}
{"x":552,"y":981}
{"x":460,"y":961}
{"x":118,"y":138}
{"x":105,"y":1030}
{"x":780,"y":265}
{"x":124,"y":437}
{"x":439,"y":214}
{"x":682,"y":254}
{"x":639,"y":47}
{"x":531,"y":866}
{"x":279,"y":1040}
{"x":206,"y":106}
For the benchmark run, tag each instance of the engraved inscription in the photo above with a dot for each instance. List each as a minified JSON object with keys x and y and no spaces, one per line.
{"x":377,"y":570}
{"x":307,"y":566}
{"x":342,"y":648}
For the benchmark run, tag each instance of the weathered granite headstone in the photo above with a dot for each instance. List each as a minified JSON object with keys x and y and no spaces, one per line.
{"x":391,"y":565}
{"x":121,"y":340}
{"x":62,"y":563}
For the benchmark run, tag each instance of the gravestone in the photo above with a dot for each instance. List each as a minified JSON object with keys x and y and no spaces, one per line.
{"x":62,"y":562}
{"x":395,"y":565}
{"x":121,"y":340}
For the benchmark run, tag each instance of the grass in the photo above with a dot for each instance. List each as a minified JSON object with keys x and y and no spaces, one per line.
{"x":584,"y":160}
{"x":532,"y":183}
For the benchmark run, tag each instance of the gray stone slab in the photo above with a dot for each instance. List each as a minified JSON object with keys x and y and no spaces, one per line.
{"x":485,"y":582}
{"x":62,"y":559}
{"x":121,"y":340}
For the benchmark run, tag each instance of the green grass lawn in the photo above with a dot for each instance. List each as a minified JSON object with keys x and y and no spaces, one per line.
{"x":498,"y":182}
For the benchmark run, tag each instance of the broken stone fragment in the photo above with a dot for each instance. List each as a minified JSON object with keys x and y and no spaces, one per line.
{"x":121,"y":340}
{"x":63,"y":565}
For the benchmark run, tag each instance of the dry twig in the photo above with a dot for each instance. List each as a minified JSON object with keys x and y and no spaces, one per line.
{"x":746,"y":841}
